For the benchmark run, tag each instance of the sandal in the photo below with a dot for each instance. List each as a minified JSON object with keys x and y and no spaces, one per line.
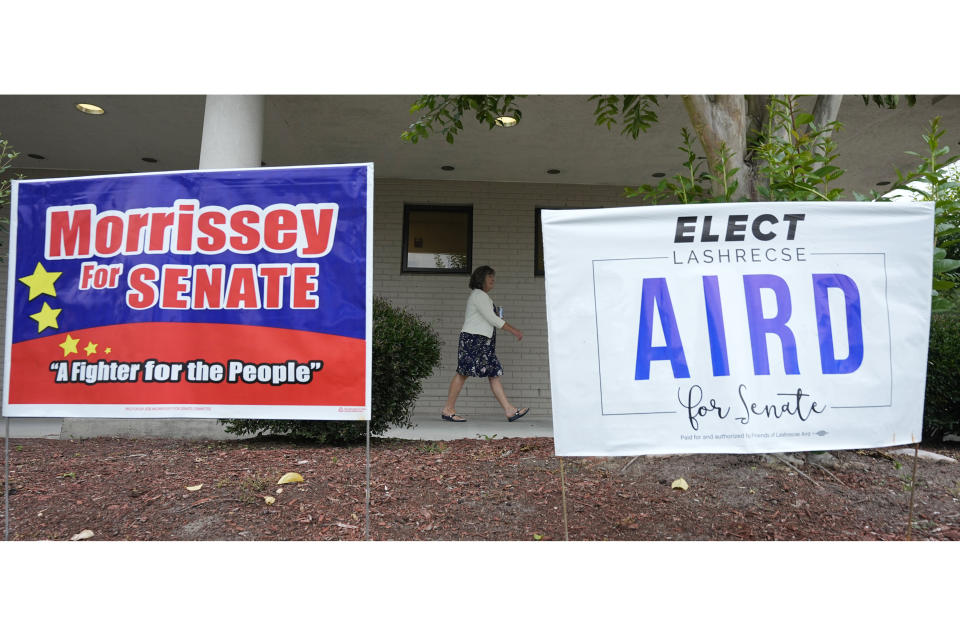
{"x":519,"y":413}
{"x":452,"y":417}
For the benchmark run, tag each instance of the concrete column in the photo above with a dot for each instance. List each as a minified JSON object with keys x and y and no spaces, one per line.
{"x":232,"y":139}
{"x":232,"y":132}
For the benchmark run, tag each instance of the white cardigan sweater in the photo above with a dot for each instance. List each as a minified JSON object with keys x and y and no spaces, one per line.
{"x":479,"y":317}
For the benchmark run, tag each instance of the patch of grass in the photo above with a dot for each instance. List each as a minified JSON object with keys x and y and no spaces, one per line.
{"x":433,"y":447}
{"x":256,"y":483}
{"x":69,"y":474}
{"x":955,"y":492}
{"x":923,"y":525}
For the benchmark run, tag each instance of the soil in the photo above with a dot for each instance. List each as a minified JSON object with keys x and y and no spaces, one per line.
{"x":509,"y":489}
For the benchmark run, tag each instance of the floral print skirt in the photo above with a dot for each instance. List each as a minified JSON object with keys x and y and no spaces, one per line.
{"x":477,"y":356}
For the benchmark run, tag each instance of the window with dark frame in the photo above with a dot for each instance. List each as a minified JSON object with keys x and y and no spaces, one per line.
{"x":538,"y":231}
{"x":437,"y":238}
{"x":538,"y":248}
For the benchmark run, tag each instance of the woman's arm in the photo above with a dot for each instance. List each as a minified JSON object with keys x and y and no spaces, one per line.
{"x":484,"y":307}
{"x":506,"y":327}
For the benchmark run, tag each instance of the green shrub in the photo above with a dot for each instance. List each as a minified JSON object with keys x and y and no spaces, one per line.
{"x":941,"y":410}
{"x":406,"y":349}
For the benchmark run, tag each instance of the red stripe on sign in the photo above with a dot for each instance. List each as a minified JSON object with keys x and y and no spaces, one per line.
{"x":188,"y":363}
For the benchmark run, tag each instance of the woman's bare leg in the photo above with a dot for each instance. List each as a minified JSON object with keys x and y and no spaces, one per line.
{"x":497,"y":387}
{"x":455,"y":386}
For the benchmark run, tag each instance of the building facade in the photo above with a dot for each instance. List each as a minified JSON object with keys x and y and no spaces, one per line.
{"x":502,"y":179}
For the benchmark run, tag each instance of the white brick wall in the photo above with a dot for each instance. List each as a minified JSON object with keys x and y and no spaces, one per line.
{"x":504,"y":238}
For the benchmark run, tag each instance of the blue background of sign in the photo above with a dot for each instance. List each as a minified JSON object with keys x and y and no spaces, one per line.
{"x":342,"y":304}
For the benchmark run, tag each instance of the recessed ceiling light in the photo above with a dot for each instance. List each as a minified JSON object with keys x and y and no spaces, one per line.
{"x":505,"y":121}
{"x":883,"y":183}
{"x":36,"y":156}
{"x":658,"y":174}
{"x":447,"y":167}
{"x":553,"y":172}
{"x":150,"y":160}
{"x":92,"y":109}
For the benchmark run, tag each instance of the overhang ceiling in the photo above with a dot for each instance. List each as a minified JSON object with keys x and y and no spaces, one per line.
{"x":556,"y":132}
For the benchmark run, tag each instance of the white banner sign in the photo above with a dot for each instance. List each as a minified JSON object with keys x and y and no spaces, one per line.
{"x":736,"y":328}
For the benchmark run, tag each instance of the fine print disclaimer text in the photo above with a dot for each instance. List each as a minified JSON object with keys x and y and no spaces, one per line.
{"x":752,"y":436}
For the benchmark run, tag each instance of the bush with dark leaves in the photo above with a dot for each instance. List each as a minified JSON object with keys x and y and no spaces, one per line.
{"x":941,"y":410}
{"x":406,"y":349}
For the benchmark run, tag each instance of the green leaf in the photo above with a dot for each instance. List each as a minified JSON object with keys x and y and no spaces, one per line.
{"x":943,"y":285}
{"x":804,"y":118}
{"x":827,"y":170}
{"x":940,"y":304}
{"x":945,"y":265}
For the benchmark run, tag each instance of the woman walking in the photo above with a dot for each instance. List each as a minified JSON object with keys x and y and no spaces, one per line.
{"x":476,"y":353}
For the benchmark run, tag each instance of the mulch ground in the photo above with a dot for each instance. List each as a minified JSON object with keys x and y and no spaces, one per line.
{"x":509,"y":489}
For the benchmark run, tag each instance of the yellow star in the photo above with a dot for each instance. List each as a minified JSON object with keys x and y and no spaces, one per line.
{"x":90,"y":348}
{"x":41,"y":281}
{"x":108,"y":350}
{"x":46,"y":318}
{"x":69,"y":345}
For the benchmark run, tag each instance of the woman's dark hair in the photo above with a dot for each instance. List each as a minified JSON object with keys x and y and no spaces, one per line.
{"x":479,"y":276}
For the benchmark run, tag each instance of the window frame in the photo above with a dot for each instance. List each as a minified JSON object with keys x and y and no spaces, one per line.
{"x":538,"y":238}
{"x":538,"y":235}
{"x":409,"y":208}
{"x":538,"y":242}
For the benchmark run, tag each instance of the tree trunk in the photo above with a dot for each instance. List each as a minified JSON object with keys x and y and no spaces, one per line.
{"x":731,"y":121}
{"x":722,"y":121}
{"x":825,"y":110}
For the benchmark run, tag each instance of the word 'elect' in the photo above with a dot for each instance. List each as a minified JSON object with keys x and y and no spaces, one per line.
{"x":764,"y":227}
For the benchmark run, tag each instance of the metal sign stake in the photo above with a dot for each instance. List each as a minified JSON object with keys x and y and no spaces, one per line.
{"x":913,"y":484}
{"x":6,"y":479}
{"x":563,"y":489}
{"x":366,"y":530}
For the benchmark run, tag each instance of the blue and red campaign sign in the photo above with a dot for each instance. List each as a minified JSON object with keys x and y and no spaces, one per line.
{"x":238,"y":293}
